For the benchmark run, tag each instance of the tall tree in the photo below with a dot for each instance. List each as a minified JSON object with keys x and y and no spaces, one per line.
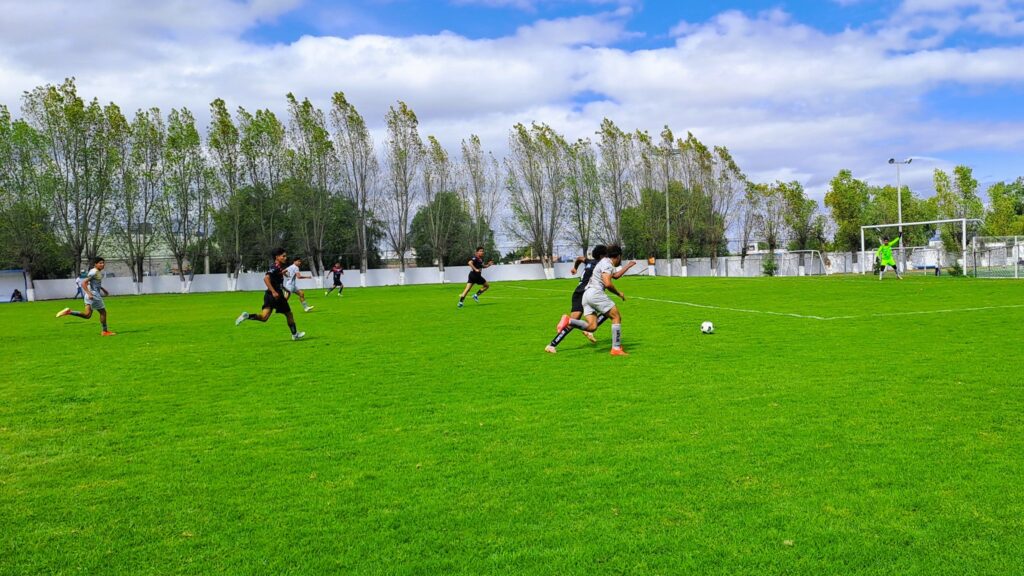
{"x":183,"y":207}
{"x":481,"y":190}
{"x":805,"y":227}
{"x":74,"y":134}
{"x":404,"y":151}
{"x":726,"y":187}
{"x":771,"y":217}
{"x":536,"y":184}
{"x":584,"y":192}
{"x":749,"y":210}
{"x":224,"y":145}
{"x":135,"y":186}
{"x":847,"y":199}
{"x":359,"y":168}
{"x":27,"y":239}
{"x":441,"y":218}
{"x":1005,"y":216}
{"x":616,"y":148}
{"x":956,"y":198}
{"x":314,"y":165}
{"x":263,"y":156}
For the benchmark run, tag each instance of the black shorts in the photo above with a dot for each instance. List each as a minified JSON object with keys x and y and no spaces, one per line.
{"x":577,"y":301}
{"x":279,"y":305}
{"x":337,"y":282}
{"x":476,"y":278}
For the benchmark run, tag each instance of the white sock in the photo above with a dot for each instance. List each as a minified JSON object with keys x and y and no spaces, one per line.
{"x":582,"y":325}
{"x":616,"y":335}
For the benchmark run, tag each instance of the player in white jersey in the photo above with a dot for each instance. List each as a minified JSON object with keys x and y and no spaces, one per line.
{"x":93,"y":293}
{"x":595,"y":301}
{"x":291,"y":281}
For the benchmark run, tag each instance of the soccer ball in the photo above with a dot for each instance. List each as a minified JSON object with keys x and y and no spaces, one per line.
{"x":707,"y":328}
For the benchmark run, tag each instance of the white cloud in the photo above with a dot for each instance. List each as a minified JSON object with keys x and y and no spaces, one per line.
{"x":790,"y":101}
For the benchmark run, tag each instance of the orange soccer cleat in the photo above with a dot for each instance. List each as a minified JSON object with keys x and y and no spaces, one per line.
{"x":64,"y":312}
{"x":108,"y":333}
{"x":619,"y":352}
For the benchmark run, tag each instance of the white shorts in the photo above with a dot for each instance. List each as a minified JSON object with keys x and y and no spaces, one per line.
{"x":290,"y":286}
{"x":596,"y":302}
{"x":96,"y":302}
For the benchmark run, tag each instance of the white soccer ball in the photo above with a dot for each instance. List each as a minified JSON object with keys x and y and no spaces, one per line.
{"x":707,"y":328}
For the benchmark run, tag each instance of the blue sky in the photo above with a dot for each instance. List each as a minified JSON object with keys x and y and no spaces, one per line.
{"x":796,"y":90}
{"x":479,"y":20}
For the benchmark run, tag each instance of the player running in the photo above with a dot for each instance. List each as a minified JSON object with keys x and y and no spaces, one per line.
{"x":292,"y":274}
{"x":273,"y":299}
{"x":92,"y":293}
{"x":476,"y":265}
{"x":884,"y":255}
{"x":595,"y":300}
{"x":336,"y":271}
{"x":577,"y":295}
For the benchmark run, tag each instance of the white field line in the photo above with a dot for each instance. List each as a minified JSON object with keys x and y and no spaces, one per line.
{"x":804,"y":316}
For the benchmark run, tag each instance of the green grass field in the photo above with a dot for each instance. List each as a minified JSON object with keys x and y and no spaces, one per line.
{"x":829,"y":426}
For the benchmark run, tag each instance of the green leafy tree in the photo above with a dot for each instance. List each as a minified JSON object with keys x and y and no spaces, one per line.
{"x":1005,"y":216}
{"x":457,"y":246}
{"x":359,"y":168}
{"x":313,"y":165}
{"x":224,"y":146}
{"x":27,"y":238}
{"x":404,"y":151}
{"x":74,"y":135}
{"x":848,"y":200}
{"x":956,"y":197}
{"x":183,"y":208}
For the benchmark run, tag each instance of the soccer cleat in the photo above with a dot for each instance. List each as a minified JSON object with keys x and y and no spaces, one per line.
{"x":298,"y":335}
{"x":460,"y":304}
{"x":242,"y":318}
{"x":618,"y":352}
{"x":326,"y":293}
{"x":64,"y":312}
{"x":307,"y":308}
{"x":476,"y":297}
{"x":108,"y":333}
{"x":551,"y":349}
{"x":562,"y":323}
{"x":590,"y":336}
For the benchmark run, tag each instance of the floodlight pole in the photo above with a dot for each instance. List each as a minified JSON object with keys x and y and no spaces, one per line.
{"x":899,"y":205}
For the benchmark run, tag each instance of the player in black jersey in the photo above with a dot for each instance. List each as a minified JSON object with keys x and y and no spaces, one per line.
{"x":273,"y":298}
{"x":476,"y":265}
{"x":336,"y":271}
{"x":598,"y":252}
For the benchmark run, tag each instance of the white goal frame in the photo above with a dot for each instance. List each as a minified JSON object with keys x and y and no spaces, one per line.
{"x":963,"y":236}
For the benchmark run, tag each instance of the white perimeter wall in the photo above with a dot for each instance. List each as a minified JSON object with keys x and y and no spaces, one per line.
{"x":122,"y":285}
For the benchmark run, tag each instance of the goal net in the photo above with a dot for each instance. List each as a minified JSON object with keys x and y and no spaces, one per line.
{"x":996,"y":257}
{"x":928,"y":247}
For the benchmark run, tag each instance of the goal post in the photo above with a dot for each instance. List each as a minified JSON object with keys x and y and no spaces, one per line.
{"x":927,"y":256}
{"x":996,"y":257}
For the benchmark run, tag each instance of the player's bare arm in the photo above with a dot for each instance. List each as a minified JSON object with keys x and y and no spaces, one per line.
{"x":618,"y":274}
{"x":607,"y":279}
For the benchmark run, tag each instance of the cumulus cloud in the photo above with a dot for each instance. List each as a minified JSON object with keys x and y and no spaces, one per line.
{"x":789,"y":100}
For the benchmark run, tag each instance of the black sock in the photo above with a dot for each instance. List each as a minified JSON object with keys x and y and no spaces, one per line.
{"x":601,"y":319}
{"x":462,"y":298}
{"x":479,"y":292}
{"x":561,"y":336}
{"x":291,"y":327}
{"x":252,"y":317}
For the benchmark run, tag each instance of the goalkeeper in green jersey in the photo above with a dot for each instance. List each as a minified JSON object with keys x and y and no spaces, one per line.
{"x":884,"y":255}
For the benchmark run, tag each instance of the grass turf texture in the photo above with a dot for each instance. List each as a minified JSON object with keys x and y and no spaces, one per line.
{"x":404,"y":436}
